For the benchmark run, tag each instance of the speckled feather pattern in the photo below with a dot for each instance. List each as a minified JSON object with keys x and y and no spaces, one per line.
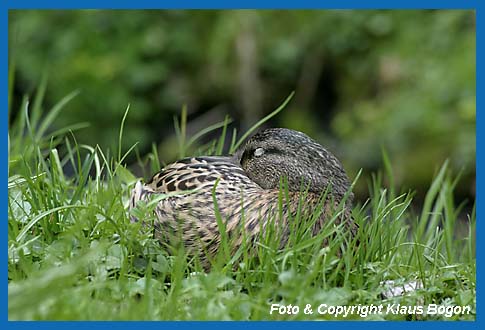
{"x":242,"y":190}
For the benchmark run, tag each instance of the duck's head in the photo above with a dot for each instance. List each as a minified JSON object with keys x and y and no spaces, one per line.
{"x":277,"y":153}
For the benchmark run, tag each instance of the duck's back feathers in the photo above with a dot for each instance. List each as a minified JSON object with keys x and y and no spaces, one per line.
{"x":191,"y":185}
{"x":200,"y":173}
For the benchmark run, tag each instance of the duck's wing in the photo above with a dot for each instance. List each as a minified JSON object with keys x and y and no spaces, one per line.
{"x":187,"y":190}
{"x":191,"y":181}
{"x":199,"y":173}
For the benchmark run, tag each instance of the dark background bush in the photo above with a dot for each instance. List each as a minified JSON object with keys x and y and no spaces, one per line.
{"x":364,"y":80}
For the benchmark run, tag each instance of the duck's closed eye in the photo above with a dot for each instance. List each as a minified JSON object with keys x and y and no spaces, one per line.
{"x":258,"y":152}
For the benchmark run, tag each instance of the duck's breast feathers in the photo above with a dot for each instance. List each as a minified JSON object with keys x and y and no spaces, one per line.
{"x":200,"y":173}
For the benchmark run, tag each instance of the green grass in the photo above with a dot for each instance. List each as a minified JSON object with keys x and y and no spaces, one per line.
{"x":73,"y":253}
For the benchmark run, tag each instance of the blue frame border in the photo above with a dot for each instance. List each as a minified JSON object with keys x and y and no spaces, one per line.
{"x":267,"y":4}
{"x":6,"y":5}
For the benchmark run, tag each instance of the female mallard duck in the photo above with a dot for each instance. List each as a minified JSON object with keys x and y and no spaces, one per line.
{"x":246,"y":187}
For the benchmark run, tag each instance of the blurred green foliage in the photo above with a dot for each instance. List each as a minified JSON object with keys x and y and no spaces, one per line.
{"x":364,"y":80}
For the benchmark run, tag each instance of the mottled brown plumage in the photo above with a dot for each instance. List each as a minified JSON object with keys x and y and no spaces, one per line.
{"x":247,"y":191}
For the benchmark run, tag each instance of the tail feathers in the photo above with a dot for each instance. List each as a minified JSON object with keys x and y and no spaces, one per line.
{"x":138,"y":193}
